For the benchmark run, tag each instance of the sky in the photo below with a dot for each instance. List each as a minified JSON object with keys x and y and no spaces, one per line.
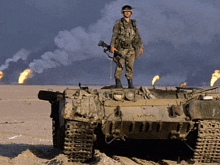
{"x":58,"y":41}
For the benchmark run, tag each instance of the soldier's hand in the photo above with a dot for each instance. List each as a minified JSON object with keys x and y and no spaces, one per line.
{"x":113,"y":50}
{"x":142,"y":51}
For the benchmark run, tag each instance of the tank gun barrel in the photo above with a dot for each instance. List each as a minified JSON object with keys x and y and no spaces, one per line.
{"x":196,"y":90}
{"x":204,"y":90}
{"x":187,"y":88}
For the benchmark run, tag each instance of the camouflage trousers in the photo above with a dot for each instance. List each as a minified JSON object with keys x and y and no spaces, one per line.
{"x":127,"y":60}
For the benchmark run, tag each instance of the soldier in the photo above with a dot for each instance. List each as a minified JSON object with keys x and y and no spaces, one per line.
{"x":126,"y":41}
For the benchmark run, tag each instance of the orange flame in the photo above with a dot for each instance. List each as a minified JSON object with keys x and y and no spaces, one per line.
{"x":24,"y":76}
{"x":1,"y":75}
{"x":215,"y":77}
{"x":155,"y":79}
{"x":184,"y":84}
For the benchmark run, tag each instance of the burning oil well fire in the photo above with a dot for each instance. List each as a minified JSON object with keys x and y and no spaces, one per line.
{"x":24,"y":76}
{"x":1,"y":75}
{"x":184,"y":84}
{"x":215,"y":77}
{"x":155,"y":79}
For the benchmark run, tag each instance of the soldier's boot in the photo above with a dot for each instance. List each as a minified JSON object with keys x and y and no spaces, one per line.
{"x":118,"y":83}
{"x":130,"y":83}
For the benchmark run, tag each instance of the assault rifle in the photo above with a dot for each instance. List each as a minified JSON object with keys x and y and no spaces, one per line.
{"x":108,"y":49}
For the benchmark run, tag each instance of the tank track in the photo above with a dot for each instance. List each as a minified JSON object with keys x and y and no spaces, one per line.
{"x":58,"y":134}
{"x":207,"y":148}
{"x":78,"y":141}
{"x":54,"y":133}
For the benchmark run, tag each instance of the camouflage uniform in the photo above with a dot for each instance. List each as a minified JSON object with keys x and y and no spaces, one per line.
{"x":126,"y":39}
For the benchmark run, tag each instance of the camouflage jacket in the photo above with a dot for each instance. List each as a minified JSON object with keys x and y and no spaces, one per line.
{"x":126,"y":35}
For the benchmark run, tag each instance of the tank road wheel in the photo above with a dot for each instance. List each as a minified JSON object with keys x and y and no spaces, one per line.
{"x":207,"y":149}
{"x":78,"y":141}
{"x":58,"y":134}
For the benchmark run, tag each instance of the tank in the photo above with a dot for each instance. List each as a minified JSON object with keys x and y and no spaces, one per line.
{"x":82,"y":117}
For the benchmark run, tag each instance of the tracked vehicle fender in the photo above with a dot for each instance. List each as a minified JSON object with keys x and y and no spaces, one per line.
{"x":82,"y":106}
{"x":67,"y":110}
{"x":204,"y":109}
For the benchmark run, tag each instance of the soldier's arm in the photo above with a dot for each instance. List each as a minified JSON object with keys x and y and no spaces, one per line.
{"x":140,"y":42}
{"x":114,"y":36}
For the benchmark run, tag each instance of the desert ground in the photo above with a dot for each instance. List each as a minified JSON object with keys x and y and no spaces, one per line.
{"x":26,"y":131}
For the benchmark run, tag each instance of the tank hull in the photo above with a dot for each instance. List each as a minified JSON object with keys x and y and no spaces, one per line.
{"x":139,"y":113}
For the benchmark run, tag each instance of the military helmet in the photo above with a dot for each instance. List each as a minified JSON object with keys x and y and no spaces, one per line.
{"x":126,"y":8}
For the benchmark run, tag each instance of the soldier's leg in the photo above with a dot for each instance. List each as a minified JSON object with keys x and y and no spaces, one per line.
{"x":129,"y":65}
{"x":119,"y":68}
{"x":118,"y":72}
{"x":130,"y":68}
